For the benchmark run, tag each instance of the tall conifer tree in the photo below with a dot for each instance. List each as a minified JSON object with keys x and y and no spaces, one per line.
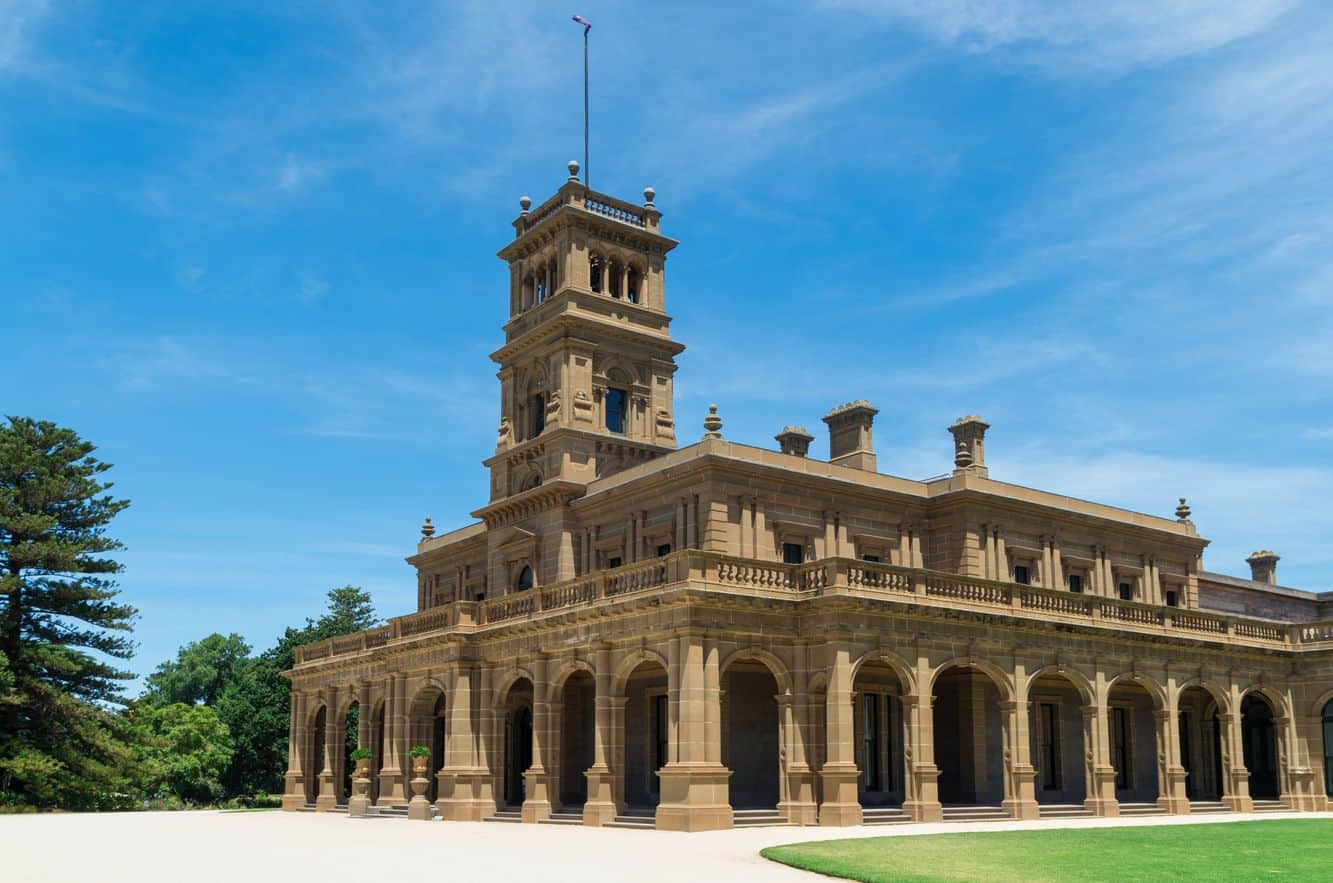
{"x":61,"y":627}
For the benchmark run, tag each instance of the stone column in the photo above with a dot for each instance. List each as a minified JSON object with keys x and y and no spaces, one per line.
{"x":391,"y":765}
{"x":600,"y":806}
{"x":538,"y":779}
{"x":800,"y":777}
{"x":1099,"y":772}
{"x":1171,"y":772}
{"x":1020,"y":794}
{"x":842,"y":805}
{"x":328,"y":795}
{"x":453,"y":794}
{"x":1307,"y":775}
{"x":485,"y":745}
{"x":293,"y":792}
{"x":694,"y":790}
{"x":1236,"y":778}
{"x":363,"y":715}
{"x":922,"y":798}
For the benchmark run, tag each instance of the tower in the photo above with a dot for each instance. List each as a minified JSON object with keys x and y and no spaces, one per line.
{"x":586,"y":367}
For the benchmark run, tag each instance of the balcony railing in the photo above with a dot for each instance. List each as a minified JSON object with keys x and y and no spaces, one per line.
{"x":711,"y":571}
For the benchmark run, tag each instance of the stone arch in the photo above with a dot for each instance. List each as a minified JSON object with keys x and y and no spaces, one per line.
{"x":1060,"y":734}
{"x":1201,"y":709}
{"x":556,"y":680}
{"x":1216,"y":693}
{"x":1136,"y":737}
{"x":1261,"y":748}
{"x":1003,"y":680}
{"x":630,"y":663}
{"x":1155,"y":690}
{"x":317,"y":730}
{"x":1273,"y":697}
{"x":899,"y":665}
{"x":776,"y":667}
{"x":1321,"y":701}
{"x":1080,"y":682}
{"x":506,"y":683}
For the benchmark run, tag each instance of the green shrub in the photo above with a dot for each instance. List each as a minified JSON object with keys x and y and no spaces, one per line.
{"x":419,"y":751}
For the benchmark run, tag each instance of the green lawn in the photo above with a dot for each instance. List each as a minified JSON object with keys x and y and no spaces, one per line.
{"x":1280,"y":849}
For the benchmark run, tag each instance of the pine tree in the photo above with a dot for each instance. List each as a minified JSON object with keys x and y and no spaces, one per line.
{"x":61,"y":627}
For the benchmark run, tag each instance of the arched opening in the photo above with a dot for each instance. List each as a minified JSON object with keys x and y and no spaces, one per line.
{"x":969,"y":737}
{"x":318,"y":727}
{"x":817,"y":750}
{"x":1133,"y":743}
{"x":1056,"y":741}
{"x":1327,"y":719}
{"x":517,"y":741}
{"x":614,"y":272}
{"x":879,"y":734}
{"x":524,"y":581}
{"x":647,"y":733}
{"x":426,"y":728}
{"x":751,"y":734}
{"x":351,"y":731}
{"x":528,"y":292}
{"x":597,"y":273}
{"x":633,"y":285}
{"x":1259,"y":746}
{"x":616,"y":403}
{"x":537,"y":413}
{"x":577,"y":721}
{"x":1200,"y":729}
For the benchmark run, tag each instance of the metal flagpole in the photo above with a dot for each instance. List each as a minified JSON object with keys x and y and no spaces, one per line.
{"x":587,"y":26}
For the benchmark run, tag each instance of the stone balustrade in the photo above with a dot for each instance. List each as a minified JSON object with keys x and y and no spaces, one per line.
{"x":710,"y":571}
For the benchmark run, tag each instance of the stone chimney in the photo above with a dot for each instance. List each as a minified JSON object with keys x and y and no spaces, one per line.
{"x":969,"y":446}
{"x":1263,"y":566}
{"x":850,"y":442}
{"x":795,"y":440}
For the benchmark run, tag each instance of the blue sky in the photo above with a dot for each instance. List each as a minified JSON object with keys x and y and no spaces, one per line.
{"x":249,"y":251}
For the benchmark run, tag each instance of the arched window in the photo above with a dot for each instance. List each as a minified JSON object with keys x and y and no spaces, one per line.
{"x":524,"y":579}
{"x":596,"y":272}
{"x":632,"y":283}
{"x":538,"y":405}
{"x":529,"y":292}
{"x":533,"y":480}
{"x":615,"y":410}
{"x":1328,"y":748}
{"x":614,"y":271}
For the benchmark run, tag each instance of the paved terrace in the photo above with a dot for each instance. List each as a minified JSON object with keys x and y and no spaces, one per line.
{"x":915,"y":590}
{"x":255,"y":847}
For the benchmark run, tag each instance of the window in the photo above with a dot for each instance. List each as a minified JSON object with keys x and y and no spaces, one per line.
{"x":1172,"y":599}
{"x":632,"y":291}
{"x":613,"y":284}
{"x":1021,"y":575}
{"x":538,"y":414}
{"x":1120,"y":757}
{"x":524,"y":579}
{"x":871,"y":558}
{"x":793,"y":553}
{"x":613,"y":561}
{"x":1075,"y":583}
{"x":615,"y":410}
{"x":596,"y":271}
{"x":663,"y":550}
{"x":1126,"y":592}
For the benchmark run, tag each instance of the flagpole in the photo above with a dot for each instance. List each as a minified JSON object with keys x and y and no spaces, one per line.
{"x":587,"y":26}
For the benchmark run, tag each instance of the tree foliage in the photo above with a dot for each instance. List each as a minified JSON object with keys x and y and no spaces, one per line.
{"x":181,"y":750}
{"x":199,"y":672}
{"x":61,"y":627}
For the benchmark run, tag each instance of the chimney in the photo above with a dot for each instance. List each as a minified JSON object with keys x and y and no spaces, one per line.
{"x":969,"y":446}
{"x":794,"y":440}
{"x":1263,"y":566}
{"x":849,"y":439}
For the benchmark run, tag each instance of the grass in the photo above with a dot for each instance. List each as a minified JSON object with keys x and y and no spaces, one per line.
{"x":1280,"y":849}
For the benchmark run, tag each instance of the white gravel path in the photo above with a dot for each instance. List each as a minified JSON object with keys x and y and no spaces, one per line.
{"x":256,"y":847}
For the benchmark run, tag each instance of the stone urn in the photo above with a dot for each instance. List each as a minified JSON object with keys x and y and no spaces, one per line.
{"x":359,"y":803}
{"x":419,"y":807}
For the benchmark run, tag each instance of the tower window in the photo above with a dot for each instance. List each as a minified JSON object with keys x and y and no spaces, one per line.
{"x":596,"y":271}
{"x":1075,"y":583}
{"x":793,"y":553}
{"x":1126,"y":592}
{"x":1172,"y":599}
{"x":633,"y":281}
{"x":615,"y":410}
{"x":538,"y":414}
{"x":613,"y":284}
{"x":1021,"y":575}
{"x":663,"y":550}
{"x":524,"y":579}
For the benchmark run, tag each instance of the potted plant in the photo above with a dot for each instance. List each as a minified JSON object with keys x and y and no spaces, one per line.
{"x":420,"y":755}
{"x":362,"y":758}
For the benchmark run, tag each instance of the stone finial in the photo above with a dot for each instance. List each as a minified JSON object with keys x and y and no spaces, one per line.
{"x":525,"y":203}
{"x":969,"y":445}
{"x":794,"y":440}
{"x":427,"y":529}
{"x":851,"y":441}
{"x":649,"y":194}
{"x":1183,"y":511}
{"x":573,"y":166}
{"x":1263,"y":566}
{"x":712,"y":423}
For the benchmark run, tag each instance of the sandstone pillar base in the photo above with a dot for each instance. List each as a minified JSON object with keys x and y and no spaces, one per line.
{"x":1238,"y":804}
{"x":327,"y":799}
{"x":537,"y":802}
{"x":293,"y":792}
{"x":925,"y":806}
{"x":1102,"y":807}
{"x":1021,"y":809}
{"x":468,"y":796}
{"x":923,"y":810}
{"x":359,"y":803}
{"x":800,"y":812}
{"x":600,"y":806}
{"x":1179,"y":806}
{"x":842,"y":804}
{"x":392,"y":791}
{"x":695,"y":797}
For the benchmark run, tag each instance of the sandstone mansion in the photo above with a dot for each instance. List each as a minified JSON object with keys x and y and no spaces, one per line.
{"x":647,"y":627}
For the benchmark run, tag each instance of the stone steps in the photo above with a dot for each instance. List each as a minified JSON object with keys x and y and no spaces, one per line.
{"x":507,"y":814}
{"x":969,"y":813}
{"x":1141,"y":809}
{"x":1270,"y":806}
{"x":883,"y":815}
{"x":563,"y":817}
{"x":756,"y":818}
{"x":310,"y":807}
{"x":642,"y":819}
{"x":1207,"y":806}
{"x":397,"y":811}
{"x":1064,"y":811}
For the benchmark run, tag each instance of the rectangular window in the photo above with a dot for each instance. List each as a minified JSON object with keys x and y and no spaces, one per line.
{"x":1048,"y":745}
{"x":663,"y":550}
{"x":613,"y":561}
{"x":1172,"y":600}
{"x":871,"y":738}
{"x":872,"y":558}
{"x":615,"y":411}
{"x":1120,"y":758}
{"x":538,"y":414}
{"x":1021,"y":575}
{"x":793,"y":553}
{"x":1126,"y":592}
{"x":1075,"y":583}
{"x":660,"y":741}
